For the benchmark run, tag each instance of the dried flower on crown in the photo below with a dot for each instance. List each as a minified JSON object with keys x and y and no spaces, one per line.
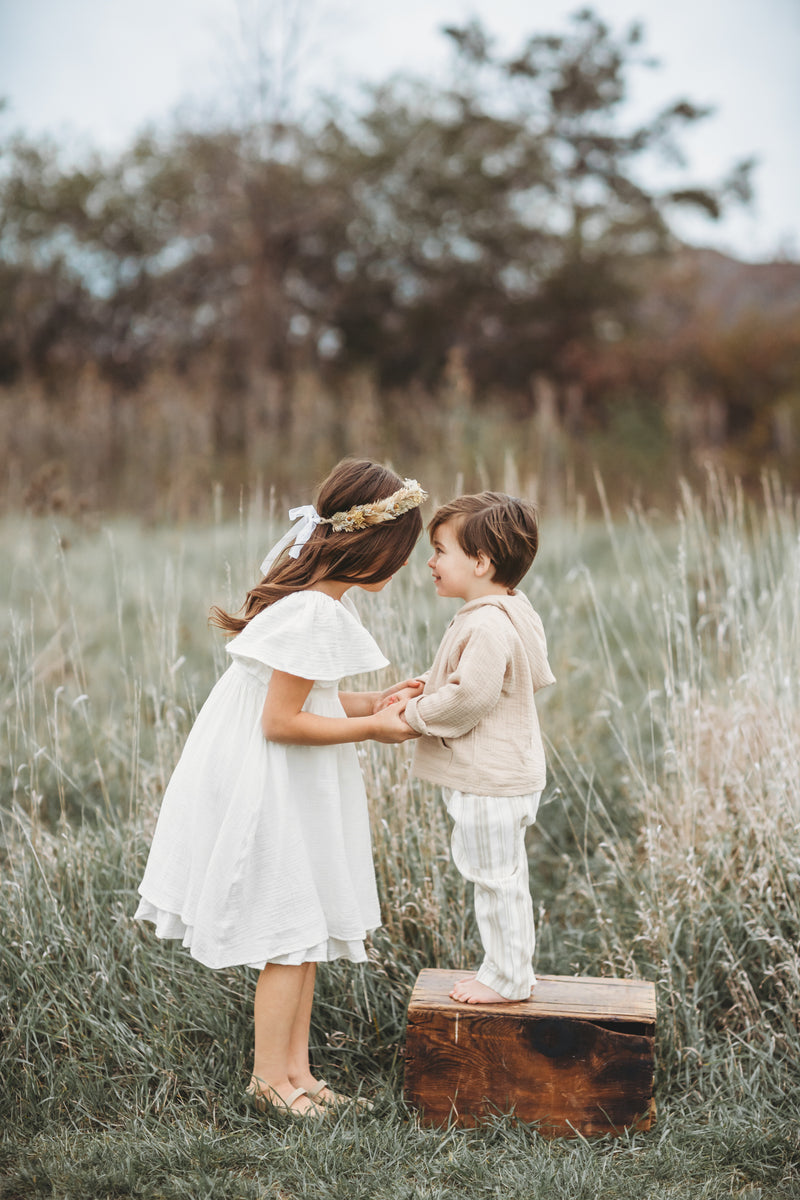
{"x":361,"y":516}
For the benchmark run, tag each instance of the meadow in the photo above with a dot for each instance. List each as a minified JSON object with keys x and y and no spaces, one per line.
{"x":667,"y":848}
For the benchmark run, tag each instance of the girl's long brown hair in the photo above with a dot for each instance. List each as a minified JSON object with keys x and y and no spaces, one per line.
{"x":362,"y":556}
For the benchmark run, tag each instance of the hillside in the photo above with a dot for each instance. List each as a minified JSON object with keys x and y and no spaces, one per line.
{"x":698,"y":282}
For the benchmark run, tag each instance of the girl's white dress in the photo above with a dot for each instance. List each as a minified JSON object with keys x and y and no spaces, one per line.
{"x":262,"y":851}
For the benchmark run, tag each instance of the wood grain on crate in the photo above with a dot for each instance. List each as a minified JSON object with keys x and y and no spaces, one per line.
{"x":578,"y":1057}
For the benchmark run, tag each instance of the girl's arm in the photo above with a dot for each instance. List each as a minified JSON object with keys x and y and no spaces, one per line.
{"x":361,"y":704}
{"x":283,"y":719}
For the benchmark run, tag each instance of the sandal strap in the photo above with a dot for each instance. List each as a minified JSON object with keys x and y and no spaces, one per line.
{"x":273,"y":1098}
{"x":295,"y":1095}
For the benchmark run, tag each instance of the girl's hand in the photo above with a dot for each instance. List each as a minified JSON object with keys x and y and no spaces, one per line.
{"x":402,"y":697}
{"x":391,"y":726}
{"x":399,"y":693}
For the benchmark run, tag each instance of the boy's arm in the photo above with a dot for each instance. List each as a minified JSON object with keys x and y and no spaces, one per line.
{"x":471,"y":690}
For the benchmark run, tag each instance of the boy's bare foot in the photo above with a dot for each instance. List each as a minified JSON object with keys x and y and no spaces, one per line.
{"x":469,"y":991}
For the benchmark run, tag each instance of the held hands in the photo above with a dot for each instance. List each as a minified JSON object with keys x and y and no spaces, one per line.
{"x":399,"y":693}
{"x":390,"y":724}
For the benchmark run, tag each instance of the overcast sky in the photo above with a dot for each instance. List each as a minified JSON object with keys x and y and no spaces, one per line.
{"x":93,"y":72}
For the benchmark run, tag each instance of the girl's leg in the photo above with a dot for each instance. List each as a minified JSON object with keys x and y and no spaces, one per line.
{"x":300,"y":1073}
{"x":279,"y":1014}
{"x":299,"y":1066}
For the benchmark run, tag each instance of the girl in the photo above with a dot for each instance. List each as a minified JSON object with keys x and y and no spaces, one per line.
{"x":261,"y":855}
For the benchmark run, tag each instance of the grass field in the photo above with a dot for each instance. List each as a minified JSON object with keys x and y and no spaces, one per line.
{"x":667,"y":847}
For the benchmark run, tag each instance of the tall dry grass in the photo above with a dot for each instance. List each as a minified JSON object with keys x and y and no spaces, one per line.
{"x":92,"y":448}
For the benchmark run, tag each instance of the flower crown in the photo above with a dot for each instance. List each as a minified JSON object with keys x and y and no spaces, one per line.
{"x":361,"y":516}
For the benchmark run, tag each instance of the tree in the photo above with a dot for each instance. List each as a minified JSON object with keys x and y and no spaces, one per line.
{"x":195,"y":248}
{"x":504,"y":214}
{"x":501,"y":217}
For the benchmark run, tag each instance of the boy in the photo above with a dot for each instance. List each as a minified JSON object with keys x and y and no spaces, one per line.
{"x":480,"y":732}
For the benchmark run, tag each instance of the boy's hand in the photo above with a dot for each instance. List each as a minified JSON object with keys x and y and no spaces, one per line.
{"x":399,"y":693}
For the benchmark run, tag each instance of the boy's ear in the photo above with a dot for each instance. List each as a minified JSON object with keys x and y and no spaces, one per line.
{"x":483,"y":565}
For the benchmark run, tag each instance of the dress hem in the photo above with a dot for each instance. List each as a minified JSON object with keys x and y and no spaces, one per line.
{"x":169,"y":926}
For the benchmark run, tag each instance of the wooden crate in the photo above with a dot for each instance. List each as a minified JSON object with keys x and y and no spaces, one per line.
{"x":578,"y":1057}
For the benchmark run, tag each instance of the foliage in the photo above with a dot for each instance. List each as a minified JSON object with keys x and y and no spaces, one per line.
{"x":501,"y":214}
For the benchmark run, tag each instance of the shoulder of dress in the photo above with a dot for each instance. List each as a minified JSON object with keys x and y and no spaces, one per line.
{"x":305,"y":600}
{"x":304,"y":597}
{"x":333,"y":618}
{"x":308,"y":633}
{"x":303,"y":606}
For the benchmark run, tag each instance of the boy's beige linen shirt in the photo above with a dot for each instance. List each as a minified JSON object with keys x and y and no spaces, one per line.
{"x":477,"y":714}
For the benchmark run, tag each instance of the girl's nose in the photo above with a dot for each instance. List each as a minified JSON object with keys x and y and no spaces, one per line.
{"x":431,"y":561}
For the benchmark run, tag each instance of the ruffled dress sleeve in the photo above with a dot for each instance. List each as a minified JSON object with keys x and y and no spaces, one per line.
{"x":310,"y":635}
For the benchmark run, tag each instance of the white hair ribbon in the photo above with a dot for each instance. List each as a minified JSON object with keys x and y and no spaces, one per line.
{"x":299,"y":534}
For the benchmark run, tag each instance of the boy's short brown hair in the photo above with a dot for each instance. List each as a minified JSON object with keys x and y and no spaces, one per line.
{"x":503,"y":527}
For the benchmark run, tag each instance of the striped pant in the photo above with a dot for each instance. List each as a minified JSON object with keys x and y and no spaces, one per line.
{"x":488,"y":845}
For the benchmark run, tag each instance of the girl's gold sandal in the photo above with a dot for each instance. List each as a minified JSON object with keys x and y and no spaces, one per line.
{"x":264,"y":1102}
